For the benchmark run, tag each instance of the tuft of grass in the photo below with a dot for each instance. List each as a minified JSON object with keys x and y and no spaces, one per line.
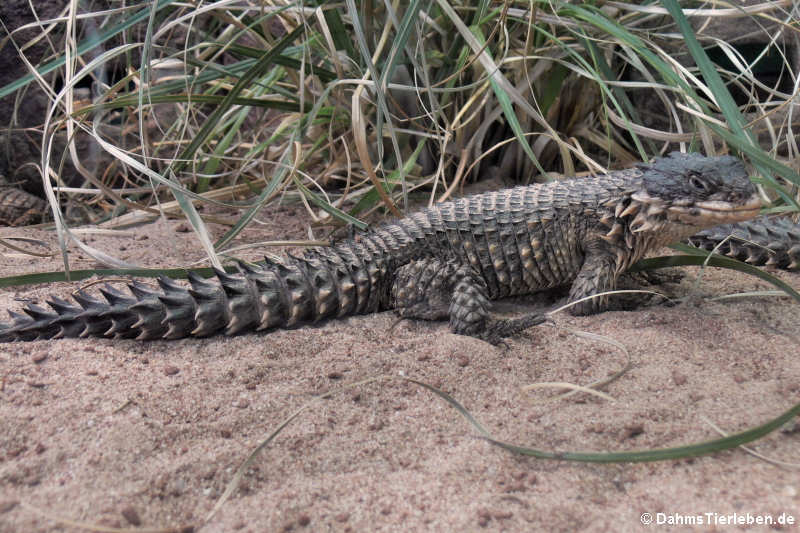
{"x":214,"y":101}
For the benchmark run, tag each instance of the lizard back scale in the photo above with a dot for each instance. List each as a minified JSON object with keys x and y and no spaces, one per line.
{"x":445,"y":262}
{"x":19,"y":208}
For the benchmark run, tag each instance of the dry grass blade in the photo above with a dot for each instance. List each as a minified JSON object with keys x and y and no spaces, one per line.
{"x":36,"y":242}
{"x":86,"y":526}
{"x":603,"y":295}
{"x":360,"y":134}
{"x":233,"y":484}
{"x":572,"y":387}
{"x":749,"y":450}
{"x":595,"y":385}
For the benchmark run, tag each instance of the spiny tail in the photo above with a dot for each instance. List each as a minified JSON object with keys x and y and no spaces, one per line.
{"x":761,"y":241}
{"x":263,"y":296}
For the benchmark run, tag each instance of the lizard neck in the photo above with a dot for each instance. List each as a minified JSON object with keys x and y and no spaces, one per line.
{"x":636,"y":223}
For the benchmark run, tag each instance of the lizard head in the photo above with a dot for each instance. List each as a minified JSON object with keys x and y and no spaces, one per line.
{"x":698,"y":191}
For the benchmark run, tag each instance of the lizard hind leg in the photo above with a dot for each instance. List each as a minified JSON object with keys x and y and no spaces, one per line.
{"x":431,"y":289}
{"x":422,"y":289}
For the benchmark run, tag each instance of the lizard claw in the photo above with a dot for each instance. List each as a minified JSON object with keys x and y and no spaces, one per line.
{"x":497,"y":330}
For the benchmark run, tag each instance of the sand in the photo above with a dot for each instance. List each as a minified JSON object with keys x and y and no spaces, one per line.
{"x":126,"y":434}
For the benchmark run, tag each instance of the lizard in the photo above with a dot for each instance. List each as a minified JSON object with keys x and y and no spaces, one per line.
{"x":761,"y":241}
{"x":445,"y":262}
{"x":19,"y":208}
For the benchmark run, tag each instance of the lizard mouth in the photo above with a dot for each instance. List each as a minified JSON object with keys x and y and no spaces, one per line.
{"x":713,"y":212}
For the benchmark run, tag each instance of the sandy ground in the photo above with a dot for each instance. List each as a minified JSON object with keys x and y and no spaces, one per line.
{"x":125,"y":434}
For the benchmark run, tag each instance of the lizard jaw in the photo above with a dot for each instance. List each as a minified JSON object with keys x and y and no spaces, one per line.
{"x":714,"y":212}
{"x":703,"y":213}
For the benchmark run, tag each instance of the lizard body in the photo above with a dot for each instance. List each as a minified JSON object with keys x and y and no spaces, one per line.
{"x":446,"y":262}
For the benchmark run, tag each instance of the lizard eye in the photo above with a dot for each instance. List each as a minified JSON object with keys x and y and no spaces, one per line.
{"x":697,"y":183}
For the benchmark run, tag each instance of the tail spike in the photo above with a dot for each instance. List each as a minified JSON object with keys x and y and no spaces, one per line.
{"x":233,"y":285}
{"x":777,"y":246}
{"x":62,"y":307}
{"x":179,"y":313}
{"x":247,"y":268}
{"x":150,"y":315}
{"x":205,"y":294}
{"x":262,"y":284}
{"x":297,"y":259}
{"x":39,"y":313}
{"x":88,"y":302}
{"x":116,"y":298}
{"x":281,"y":269}
{"x":172,"y":299}
{"x":169,"y":285}
{"x":222,"y":276}
{"x":19,"y":319}
{"x":199,"y":282}
{"x":69,"y":329}
{"x":202,"y":289}
{"x":210,"y":316}
{"x":140,"y":290}
{"x":121,"y":326}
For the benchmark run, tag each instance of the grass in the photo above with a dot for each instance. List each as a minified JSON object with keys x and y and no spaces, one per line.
{"x":361,"y":109}
{"x":320,"y":104}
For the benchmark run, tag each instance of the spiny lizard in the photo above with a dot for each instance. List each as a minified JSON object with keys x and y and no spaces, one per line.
{"x":446,"y":262}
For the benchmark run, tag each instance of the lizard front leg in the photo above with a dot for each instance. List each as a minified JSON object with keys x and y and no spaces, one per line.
{"x":598,"y":274}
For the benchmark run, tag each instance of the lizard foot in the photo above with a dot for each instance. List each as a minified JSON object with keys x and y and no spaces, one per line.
{"x":497,"y":330}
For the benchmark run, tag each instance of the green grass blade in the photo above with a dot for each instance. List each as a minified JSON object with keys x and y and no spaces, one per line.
{"x":661,"y":454}
{"x":701,"y":257}
{"x":197,"y":98}
{"x":371,"y":197}
{"x":208,"y":127}
{"x":721,"y":94}
{"x":620,"y":96}
{"x":327,"y":207}
{"x":401,"y":39}
{"x":508,"y":109}
{"x":244,"y":82}
{"x":380,"y":93}
{"x":289,"y":62}
{"x":339,"y":32}
{"x":215,"y":160}
{"x":76,"y":275}
{"x":250,"y":213}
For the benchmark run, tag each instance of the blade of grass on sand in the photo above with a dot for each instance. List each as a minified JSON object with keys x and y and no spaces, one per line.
{"x":701,"y":257}
{"x":75,"y":275}
{"x":661,"y":454}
